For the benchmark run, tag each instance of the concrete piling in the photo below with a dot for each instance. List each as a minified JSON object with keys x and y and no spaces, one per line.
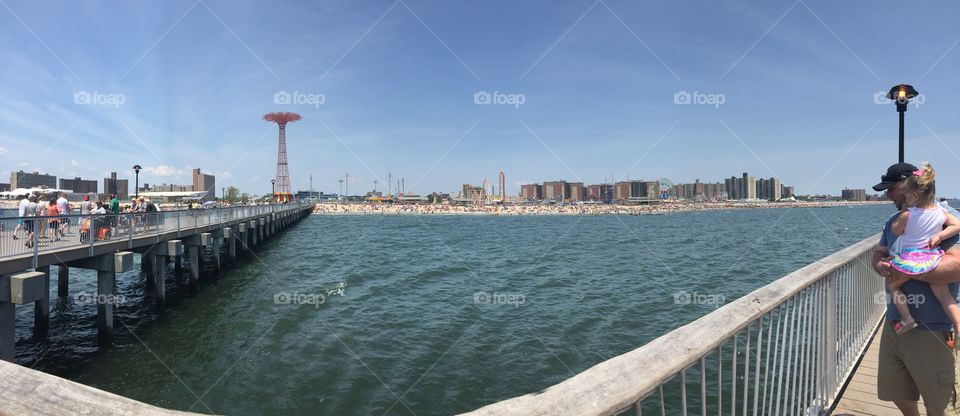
{"x":63,"y":280}
{"x":41,"y":306}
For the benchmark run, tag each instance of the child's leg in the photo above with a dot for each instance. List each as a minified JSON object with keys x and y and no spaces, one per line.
{"x":948,"y":302}
{"x":900,"y":302}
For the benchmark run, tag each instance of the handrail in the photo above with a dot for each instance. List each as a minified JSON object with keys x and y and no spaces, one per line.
{"x":29,"y":392}
{"x":117,"y":227}
{"x":814,"y":323}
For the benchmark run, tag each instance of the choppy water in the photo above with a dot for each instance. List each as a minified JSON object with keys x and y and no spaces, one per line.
{"x":400,"y":330}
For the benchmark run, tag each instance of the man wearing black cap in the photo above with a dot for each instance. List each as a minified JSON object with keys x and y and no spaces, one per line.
{"x":918,"y":363}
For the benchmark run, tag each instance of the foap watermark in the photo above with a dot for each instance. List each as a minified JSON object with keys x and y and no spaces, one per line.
{"x":880,"y":97}
{"x":299,"y":299}
{"x":914,"y":299}
{"x":99,"y":299}
{"x":483,"y":98}
{"x":697,"y":97}
{"x":693,"y":298}
{"x":299,"y":98}
{"x":98,"y":98}
{"x":497,"y":298}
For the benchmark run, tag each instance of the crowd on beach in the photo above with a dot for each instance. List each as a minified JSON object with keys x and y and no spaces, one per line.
{"x":567,"y":209}
{"x":39,"y":217}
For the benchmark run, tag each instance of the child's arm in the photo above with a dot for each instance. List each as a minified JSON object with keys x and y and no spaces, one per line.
{"x":952,"y":228}
{"x":900,"y":224}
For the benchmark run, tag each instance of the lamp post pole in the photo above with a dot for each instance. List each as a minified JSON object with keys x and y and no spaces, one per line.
{"x":901,"y":95}
{"x":273,"y":186}
{"x":136,"y":183}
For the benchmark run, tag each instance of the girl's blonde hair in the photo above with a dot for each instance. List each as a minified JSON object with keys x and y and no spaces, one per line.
{"x":923,"y":182}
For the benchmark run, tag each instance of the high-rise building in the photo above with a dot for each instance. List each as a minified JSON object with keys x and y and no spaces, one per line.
{"x":575,"y":191}
{"x":118,"y":187}
{"x":23,"y":179}
{"x":503,"y":187}
{"x":854,"y":194}
{"x":203,"y":182}
{"x":555,"y":191}
{"x":621,"y":191}
{"x":531,"y":192}
{"x":786,"y":191}
{"x":79,"y":186}
{"x":4,"y":187}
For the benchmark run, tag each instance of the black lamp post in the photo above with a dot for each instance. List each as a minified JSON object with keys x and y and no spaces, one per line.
{"x":223,"y":193}
{"x":136,"y":183}
{"x":273,"y":185}
{"x":901,"y":95}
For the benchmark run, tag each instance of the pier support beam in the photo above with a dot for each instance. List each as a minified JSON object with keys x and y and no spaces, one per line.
{"x":63,"y":280}
{"x":242,"y":237}
{"x":159,"y":255}
{"x":41,"y":306}
{"x":18,"y":289}
{"x":253,"y":233}
{"x":147,"y":269}
{"x":194,"y":245}
{"x":228,"y":234}
{"x":107,"y":267}
{"x":217,"y":242}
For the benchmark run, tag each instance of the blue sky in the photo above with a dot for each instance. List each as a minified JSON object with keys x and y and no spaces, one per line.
{"x":183,"y":84}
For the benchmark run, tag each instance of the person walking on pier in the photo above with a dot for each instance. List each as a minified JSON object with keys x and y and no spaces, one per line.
{"x":64,"y":207}
{"x":29,"y":213}
{"x":53,"y":215}
{"x":21,"y":212}
{"x":921,"y":362}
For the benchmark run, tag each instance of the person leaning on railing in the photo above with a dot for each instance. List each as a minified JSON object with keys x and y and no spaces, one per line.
{"x":922,"y":362}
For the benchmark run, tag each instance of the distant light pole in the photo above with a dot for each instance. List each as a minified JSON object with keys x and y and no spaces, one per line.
{"x":136,"y":183}
{"x":273,"y":186}
{"x":901,"y":95}
{"x":341,"y":187}
{"x":223,"y":193}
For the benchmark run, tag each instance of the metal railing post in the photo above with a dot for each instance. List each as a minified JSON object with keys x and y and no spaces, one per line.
{"x":830,"y":336}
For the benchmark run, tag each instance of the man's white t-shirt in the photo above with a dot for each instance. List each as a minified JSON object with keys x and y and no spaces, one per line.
{"x":22,"y":212}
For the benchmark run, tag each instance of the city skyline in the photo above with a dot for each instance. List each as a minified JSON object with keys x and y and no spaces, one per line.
{"x":427,"y":93}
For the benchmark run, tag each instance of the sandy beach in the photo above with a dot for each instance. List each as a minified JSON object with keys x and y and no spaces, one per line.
{"x":569,"y":209}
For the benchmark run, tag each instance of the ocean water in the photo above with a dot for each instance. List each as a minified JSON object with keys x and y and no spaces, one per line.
{"x":426,"y":315}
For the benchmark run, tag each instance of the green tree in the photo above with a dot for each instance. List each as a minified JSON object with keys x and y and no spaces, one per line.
{"x":233,"y":194}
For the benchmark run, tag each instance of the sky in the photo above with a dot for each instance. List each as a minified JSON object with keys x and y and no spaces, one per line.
{"x":442,"y":93}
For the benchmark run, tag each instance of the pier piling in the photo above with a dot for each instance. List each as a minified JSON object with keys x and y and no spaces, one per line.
{"x":18,"y":289}
{"x":63,"y":280}
{"x":41,"y":306}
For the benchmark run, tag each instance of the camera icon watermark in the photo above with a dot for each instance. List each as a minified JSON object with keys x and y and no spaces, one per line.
{"x":298,"y":98}
{"x":496,"y":97}
{"x":914,"y":299}
{"x":99,"y":299}
{"x":495,"y":298}
{"x":880,"y":97}
{"x":299,"y":299}
{"x":693,"y":298}
{"x":697,"y":97}
{"x":97,"y":98}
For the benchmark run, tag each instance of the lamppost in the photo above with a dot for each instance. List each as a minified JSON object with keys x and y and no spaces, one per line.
{"x":223,"y":193}
{"x":273,"y":185}
{"x":901,"y":95}
{"x":136,"y":183}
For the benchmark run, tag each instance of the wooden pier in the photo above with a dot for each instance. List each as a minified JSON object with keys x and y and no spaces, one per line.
{"x":157,"y":238}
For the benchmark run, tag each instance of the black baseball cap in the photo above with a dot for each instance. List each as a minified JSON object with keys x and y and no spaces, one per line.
{"x":895,"y":173}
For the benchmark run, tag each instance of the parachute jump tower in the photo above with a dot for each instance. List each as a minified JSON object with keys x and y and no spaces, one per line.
{"x":281,"y":190}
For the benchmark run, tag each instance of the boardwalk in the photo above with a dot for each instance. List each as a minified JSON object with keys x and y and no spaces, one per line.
{"x":860,"y":397}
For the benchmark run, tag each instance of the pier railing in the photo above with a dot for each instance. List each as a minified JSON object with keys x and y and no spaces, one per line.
{"x":36,"y":235}
{"x":784,"y":349}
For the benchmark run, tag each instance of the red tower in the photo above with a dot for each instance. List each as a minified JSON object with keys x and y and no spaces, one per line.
{"x":281,"y":188}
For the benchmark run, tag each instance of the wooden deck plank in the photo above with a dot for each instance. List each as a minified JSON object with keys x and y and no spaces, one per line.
{"x":860,"y":396}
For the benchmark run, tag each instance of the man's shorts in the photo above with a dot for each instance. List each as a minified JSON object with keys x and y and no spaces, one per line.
{"x":917,"y":363}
